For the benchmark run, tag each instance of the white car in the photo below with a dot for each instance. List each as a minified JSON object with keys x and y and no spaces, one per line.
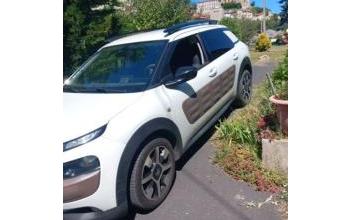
{"x":137,"y":105}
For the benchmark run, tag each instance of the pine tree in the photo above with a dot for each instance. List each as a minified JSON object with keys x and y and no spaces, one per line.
{"x":284,"y":12}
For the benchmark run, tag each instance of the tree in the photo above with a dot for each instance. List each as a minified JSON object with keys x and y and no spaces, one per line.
{"x":232,"y":5}
{"x":154,"y":14}
{"x":87,"y":24}
{"x":272,"y":22}
{"x":284,"y":12}
{"x":244,"y":29}
{"x":233,"y":25}
{"x":253,"y":3}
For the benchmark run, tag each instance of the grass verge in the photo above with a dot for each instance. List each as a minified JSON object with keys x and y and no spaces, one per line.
{"x":239,"y":149}
{"x":275,"y":53}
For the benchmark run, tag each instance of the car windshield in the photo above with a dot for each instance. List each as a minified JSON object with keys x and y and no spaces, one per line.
{"x":120,"y":68}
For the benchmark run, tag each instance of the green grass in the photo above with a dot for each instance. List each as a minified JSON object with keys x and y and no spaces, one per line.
{"x":238,"y":144}
{"x":276,"y":53}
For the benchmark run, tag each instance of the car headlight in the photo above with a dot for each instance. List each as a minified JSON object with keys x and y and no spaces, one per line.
{"x":84,"y":139}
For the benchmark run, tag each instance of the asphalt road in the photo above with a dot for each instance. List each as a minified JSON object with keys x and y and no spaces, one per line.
{"x":202,"y":191}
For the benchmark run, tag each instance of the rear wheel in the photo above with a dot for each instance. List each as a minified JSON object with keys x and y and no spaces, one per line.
{"x":152,"y":175}
{"x":244,"y":89}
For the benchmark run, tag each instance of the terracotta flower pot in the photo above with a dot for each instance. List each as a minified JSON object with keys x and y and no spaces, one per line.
{"x":281,"y":112}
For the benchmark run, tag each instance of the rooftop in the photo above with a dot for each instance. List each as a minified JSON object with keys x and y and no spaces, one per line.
{"x":160,"y":34}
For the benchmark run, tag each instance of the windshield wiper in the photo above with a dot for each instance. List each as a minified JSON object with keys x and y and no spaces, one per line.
{"x":107,"y":90}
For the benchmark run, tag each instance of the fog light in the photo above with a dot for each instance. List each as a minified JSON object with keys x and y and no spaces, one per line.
{"x":80,"y":166}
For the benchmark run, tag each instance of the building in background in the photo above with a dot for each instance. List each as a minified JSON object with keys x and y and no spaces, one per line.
{"x":245,"y":3}
{"x":211,"y":8}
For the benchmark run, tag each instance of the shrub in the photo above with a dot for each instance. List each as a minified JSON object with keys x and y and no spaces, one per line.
{"x":263,"y":43}
{"x":280,"y":79}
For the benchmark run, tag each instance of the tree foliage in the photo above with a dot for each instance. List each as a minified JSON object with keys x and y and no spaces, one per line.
{"x":280,"y":78}
{"x":244,"y":29}
{"x":232,"y":5}
{"x":272,"y":22}
{"x":87,"y":24}
{"x":155,"y":14}
{"x":284,"y":12}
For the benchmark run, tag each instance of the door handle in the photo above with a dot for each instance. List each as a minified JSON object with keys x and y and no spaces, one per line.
{"x":213,"y":72}
{"x":235,"y":56}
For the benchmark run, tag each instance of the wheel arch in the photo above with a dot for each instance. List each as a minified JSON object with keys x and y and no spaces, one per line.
{"x":158,"y":127}
{"x":246,"y":64}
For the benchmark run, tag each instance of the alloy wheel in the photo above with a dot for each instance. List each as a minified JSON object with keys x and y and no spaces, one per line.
{"x":156,"y":174}
{"x":246,"y":86}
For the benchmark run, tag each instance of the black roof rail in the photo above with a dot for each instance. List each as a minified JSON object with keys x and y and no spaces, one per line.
{"x":188,"y":24}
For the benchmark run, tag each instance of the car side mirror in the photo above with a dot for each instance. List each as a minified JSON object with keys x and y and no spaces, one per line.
{"x":183,"y":74}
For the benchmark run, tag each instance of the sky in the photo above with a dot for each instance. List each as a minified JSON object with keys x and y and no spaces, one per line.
{"x":271,"y":4}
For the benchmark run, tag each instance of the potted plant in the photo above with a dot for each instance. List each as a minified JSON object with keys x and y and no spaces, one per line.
{"x":279,"y":84}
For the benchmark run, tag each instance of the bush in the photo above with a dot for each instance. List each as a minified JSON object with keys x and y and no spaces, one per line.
{"x":263,"y":43}
{"x":280,"y":79}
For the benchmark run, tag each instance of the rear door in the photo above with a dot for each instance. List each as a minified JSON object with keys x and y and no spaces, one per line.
{"x":222,"y":66}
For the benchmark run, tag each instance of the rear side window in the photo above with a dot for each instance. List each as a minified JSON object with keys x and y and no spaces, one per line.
{"x":216,"y":42}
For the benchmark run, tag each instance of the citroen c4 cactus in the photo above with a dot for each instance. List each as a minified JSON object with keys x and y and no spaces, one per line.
{"x":136,"y":105}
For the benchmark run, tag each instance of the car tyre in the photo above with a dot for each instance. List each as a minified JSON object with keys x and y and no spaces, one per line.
{"x":152,"y":175}
{"x":244,"y":89}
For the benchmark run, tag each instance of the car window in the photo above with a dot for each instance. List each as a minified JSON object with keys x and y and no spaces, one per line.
{"x":124,"y":68}
{"x":187,"y":52}
{"x":216,"y":42}
{"x":231,"y":36}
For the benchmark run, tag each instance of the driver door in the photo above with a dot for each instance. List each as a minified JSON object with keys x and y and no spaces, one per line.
{"x":189,"y":101}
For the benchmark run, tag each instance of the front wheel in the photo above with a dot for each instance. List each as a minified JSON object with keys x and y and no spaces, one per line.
{"x":152,"y":175}
{"x":244,"y":89}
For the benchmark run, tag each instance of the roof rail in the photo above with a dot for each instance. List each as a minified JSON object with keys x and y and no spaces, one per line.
{"x":188,"y":24}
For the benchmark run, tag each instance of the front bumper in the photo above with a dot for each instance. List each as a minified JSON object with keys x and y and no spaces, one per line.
{"x":99,"y":186}
{"x":81,"y":186}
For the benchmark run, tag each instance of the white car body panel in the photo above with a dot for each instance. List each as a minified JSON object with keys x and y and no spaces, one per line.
{"x":85,"y":112}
